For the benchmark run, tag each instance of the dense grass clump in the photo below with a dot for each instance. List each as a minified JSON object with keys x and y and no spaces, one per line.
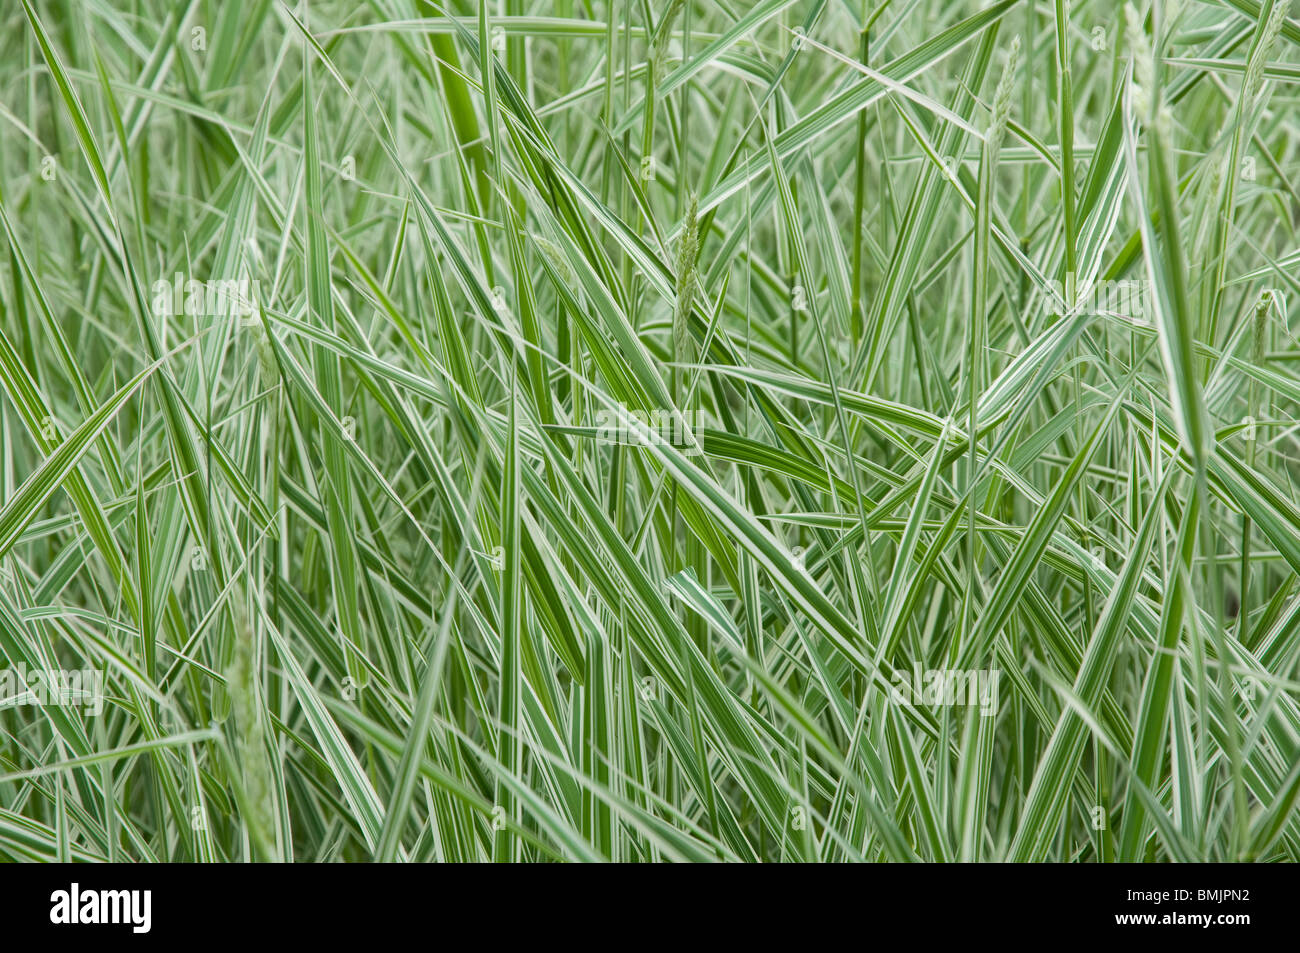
{"x":790,"y":430}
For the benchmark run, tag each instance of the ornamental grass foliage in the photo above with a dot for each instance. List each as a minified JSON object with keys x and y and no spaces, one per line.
{"x":799,"y":430}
